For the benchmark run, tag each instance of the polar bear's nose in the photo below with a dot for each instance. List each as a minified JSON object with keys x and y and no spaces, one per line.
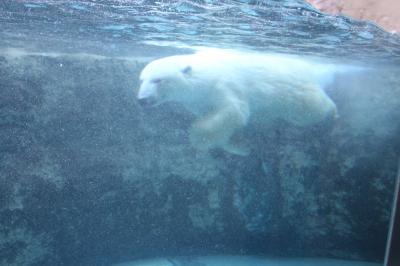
{"x":146,"y":101}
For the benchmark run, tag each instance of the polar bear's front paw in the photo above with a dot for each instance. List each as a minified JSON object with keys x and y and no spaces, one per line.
{"x":202,"y":138}
{"x":237,"y":149}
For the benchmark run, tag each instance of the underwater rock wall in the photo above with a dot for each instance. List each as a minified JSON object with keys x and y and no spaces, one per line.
{"x":89,"y":177}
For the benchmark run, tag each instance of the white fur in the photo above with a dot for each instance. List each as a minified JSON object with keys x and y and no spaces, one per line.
{"x":224,"y":88}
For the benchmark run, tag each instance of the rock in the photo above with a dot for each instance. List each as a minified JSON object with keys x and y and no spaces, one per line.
{"x":384,"y":12}
{"x":89,"y":178}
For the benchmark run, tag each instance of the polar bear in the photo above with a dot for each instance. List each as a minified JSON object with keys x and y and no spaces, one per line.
{"x":224,"y":89}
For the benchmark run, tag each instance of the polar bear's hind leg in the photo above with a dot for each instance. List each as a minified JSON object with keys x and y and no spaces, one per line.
{"x":310,"y":105}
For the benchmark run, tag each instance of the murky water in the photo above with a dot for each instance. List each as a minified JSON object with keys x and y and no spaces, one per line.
{"x":88,"y":176}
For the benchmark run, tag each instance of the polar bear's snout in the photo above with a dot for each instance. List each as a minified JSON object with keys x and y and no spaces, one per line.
{"x":147,"y":90}
{"x":147,"y":93}
{"x":146,"y":101}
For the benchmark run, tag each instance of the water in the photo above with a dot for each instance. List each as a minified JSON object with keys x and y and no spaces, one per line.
{"x":123,"y":27}
{"x":90,"y":177}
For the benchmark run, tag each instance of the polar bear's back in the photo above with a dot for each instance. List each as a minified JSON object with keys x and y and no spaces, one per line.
{"x":273,"y":85}
{"x":250,"y":67}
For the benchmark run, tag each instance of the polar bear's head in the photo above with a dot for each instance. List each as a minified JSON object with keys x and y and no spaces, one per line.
{"x":163,"y":79}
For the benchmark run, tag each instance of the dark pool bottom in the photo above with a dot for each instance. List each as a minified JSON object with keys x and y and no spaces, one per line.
{"x":244,"y":261}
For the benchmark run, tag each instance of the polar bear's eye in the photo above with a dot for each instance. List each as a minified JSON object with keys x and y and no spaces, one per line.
{"x":156,"y":81}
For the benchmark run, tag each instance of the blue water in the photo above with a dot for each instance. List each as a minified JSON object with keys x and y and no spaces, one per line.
{"x":124,"y":27}
{"x":88,"y":176}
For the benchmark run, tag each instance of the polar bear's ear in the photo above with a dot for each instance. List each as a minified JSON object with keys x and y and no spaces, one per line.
{"x":187,"y":70}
